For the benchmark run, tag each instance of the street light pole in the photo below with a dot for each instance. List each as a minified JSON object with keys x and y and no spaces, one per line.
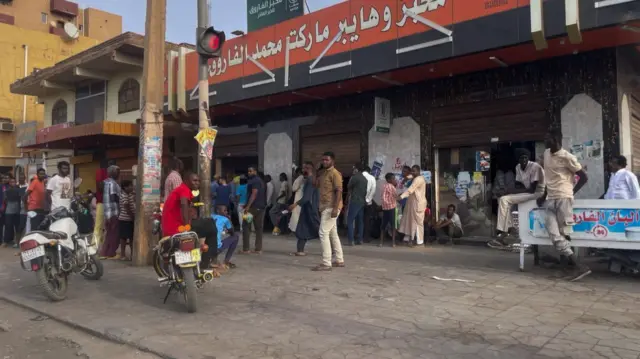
{"x":204,"y":163}
{"x":150,"y":158}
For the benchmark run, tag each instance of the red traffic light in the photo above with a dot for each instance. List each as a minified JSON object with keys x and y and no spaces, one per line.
{"x":209,"y":42}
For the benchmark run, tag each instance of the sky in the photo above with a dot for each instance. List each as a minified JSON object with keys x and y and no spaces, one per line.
{"x":226,"y":15}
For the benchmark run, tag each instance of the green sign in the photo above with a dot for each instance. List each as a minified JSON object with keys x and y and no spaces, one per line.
{"x":264,"y":13}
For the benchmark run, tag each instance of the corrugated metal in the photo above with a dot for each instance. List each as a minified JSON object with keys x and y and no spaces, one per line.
{"x":519,"y":119}
{"x":238,"y":145}
{"x":635,"y":131}
{"x":341,"y":138}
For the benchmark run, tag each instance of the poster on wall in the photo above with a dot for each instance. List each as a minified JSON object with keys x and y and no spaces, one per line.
{"x":152,"y":167}
{"x":483,"y":161}
{"x":427,"y":176}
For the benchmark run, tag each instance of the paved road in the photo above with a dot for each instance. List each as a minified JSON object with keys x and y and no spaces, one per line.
{"x":384,"y":304}
{"x":28,"y":335}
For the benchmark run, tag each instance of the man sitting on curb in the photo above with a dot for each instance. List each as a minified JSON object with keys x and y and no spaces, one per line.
{"x":449,"y":225}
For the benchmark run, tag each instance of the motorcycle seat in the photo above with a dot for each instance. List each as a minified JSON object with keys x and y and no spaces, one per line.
{"x":51,"y":235}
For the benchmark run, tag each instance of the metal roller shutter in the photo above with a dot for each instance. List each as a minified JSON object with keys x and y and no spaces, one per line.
{"x":343,"y":140}
{"x":518,"y":119}
{"x":237,"y":145}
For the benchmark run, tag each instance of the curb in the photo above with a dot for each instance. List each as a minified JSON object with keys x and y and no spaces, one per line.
{"x":87,"y":330}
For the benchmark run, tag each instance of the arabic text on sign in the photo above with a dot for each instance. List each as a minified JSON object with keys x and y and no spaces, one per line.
{"x":303,"y":38}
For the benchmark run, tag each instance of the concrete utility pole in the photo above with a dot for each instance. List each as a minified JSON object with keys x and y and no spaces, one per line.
{"x":150,"y":151}
{"x":204,"y":163}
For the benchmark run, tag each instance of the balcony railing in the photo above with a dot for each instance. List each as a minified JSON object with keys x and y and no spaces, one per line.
{"x":63,"y":7}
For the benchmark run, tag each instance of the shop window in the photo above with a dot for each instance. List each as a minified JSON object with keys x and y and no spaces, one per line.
{"x":59,"y":113}
{"x":90,"y":103}
{"x":129,"y":96}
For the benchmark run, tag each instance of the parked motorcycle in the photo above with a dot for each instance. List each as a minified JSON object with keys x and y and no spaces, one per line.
{"x":56,"y":249}
{"x":176,"y":260}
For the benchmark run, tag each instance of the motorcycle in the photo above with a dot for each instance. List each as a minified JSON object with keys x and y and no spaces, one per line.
{"x":55,"y":249}
{"x":176,"y":260}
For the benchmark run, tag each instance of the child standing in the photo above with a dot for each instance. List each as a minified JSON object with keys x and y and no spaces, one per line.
{"x":389,"y":207}
{"x":126,"y":218}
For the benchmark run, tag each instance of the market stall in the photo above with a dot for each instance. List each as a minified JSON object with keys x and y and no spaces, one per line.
{"x":599,"y":224}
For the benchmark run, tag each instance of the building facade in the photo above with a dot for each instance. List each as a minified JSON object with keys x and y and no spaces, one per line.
{"x":33,"y":38}
{"x":51,"y":16}
{"x":463,"y":88}
{"x":91,"y":111}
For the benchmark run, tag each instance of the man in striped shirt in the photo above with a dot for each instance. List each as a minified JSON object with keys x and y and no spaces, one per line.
{"x":389,"y":205}
{"x":174,"y":179}
{"x":111,"y":206}
{"x":126,"y":217}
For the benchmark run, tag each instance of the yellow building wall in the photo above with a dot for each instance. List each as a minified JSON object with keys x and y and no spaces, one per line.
{"x":44,"y":50}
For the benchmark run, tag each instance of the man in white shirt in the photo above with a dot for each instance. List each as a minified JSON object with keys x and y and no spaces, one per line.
{"x":529,"y":184}
{"x":369,"y":209}
{"x":59,"y":188}
{"x":560,"y":169}
{"x":623,"y":184}
{"x":449,"y":225}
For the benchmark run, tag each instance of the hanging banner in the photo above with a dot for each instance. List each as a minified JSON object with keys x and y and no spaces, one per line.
{"x":382,"y":120}
{"x":207,"y":138}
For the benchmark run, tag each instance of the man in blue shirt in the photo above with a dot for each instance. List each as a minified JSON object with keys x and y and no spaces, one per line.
{"x":223,"y":194}
{"x":227,"y":239}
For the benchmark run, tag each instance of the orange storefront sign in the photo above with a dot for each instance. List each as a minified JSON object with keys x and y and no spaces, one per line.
{"x":356,"y":23}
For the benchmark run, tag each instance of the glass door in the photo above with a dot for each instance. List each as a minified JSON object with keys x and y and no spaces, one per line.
{"x":464,"y":180}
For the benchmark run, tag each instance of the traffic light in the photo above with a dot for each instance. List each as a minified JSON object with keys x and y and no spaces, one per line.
{"x":209,"y":42}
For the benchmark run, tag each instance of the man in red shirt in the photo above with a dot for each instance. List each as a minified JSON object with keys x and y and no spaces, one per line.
{"x":177,"y":212}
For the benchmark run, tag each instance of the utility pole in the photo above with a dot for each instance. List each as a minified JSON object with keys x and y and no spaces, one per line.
{"x":150,"y":151}
{"x":204,"y":163}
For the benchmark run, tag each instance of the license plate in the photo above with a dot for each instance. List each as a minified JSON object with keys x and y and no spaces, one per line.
{"x":187,"y":257}
{"x":34,"y":253}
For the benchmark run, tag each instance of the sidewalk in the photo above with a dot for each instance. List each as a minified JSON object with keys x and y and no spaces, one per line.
{"x":384,"y":304}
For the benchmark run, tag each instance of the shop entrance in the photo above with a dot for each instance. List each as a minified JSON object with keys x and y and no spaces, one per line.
{"x":235,"y":165}
{"x":475,"y":155}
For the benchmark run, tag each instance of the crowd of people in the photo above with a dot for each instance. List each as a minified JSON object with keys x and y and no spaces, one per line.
{"x":309,"y":207}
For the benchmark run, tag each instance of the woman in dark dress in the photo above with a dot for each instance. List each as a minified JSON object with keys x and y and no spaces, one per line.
{"x":309,"y":220}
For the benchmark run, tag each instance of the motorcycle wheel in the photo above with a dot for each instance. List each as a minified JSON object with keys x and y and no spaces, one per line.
{"x":190,"y":291}
{"x":158,"y":265}
{"x":94,"y":270}
{"x":54,"y":286}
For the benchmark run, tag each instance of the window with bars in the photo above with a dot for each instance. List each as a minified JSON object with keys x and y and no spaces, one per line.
{"x":59,"y":113}
{"x":129,"y":96}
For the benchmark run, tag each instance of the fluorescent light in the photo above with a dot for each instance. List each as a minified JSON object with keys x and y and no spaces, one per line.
{"x":498,"y":61}
{"x":630,"y":28}
{"x":387,"y":81}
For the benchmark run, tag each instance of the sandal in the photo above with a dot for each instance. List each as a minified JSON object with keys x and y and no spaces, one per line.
{"x":245,"y":252}
{"x":230,"y":265}
{"x":337,"y":264}
{"x":321,"y":268}
{"x":298,"y":254}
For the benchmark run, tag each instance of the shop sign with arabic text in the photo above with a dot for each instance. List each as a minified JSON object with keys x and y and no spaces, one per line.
{"x":355,"y":24}
{"x":264,"y":13}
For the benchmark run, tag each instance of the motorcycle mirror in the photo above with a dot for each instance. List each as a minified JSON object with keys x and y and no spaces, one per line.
{"x":77,"y":182}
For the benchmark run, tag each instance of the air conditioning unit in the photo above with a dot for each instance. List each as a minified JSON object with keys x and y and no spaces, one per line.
{"x":7,"y":127}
